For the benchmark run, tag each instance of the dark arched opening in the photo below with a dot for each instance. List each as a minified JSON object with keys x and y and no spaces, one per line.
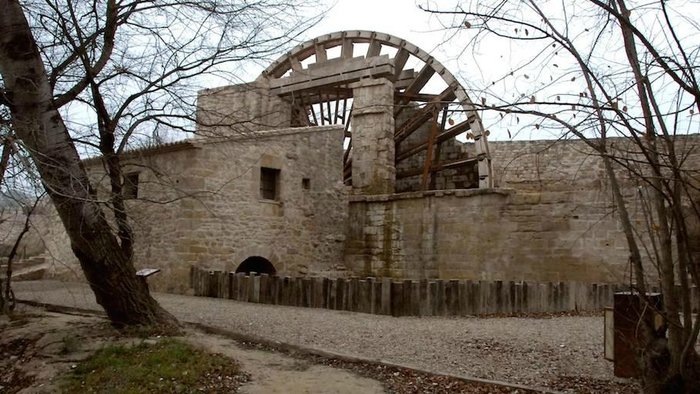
{"x":258,"y":265}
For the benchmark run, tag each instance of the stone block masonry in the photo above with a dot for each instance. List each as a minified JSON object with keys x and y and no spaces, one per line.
{"x":552,"y":219}
{"x":373,"y":169}
{"x":240,"y":110}
{"x":202,"y":204}
{"x":251,"y":190}
{"x":486,"y":235}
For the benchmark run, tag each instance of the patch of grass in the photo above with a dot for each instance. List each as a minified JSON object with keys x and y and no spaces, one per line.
{"x":168,"y":366}
{"x":144,"y":332}
{"x":69,"y":344}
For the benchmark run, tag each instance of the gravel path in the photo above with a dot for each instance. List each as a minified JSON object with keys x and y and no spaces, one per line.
{"x":532,"y":351}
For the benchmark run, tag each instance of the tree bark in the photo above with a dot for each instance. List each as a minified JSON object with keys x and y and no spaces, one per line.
{"x":107,"y":268}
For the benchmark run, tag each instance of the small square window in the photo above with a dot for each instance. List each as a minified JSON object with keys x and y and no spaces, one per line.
{"x":306,"y":183}
{"x":130,"y":189}
{"x":269,"y":183}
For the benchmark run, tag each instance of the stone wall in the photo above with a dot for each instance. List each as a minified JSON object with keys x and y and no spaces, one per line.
{"x":552,"y":219}
{"x":373,"y":170}
{"x":238,"y":110}
{"x":546,"y":165}
{"x":486,"y":235}
{"x":11,"y":225}
{"x":200,"y":204}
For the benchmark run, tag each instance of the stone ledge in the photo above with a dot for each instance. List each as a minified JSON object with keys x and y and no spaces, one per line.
{"x":271,"y":202}
{"x":430,"y":193}
{"x":266,"y":134}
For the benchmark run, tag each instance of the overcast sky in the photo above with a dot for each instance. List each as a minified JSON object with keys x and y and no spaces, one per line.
{"x":401,"y":18}
{"x":494,"y":59}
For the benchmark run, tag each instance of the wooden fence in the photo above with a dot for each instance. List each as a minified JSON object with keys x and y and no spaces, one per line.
{"x":388,"y":296}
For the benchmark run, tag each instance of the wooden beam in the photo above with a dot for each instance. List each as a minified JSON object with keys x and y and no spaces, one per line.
{"x":375,"y":47}
{"x":345,"y":109}
{"x":438,"y":167}
{"x":412,"y":124}
{"x":419,"y":97}
{"x":330,"y":92}
{"x":332,"y":81}
{"x":447,"y":95}
{"x":328,"y":108}
{"x":333,"y":74}
{"x":320,"y":104}
{"x":295,"y":64}
{"x":313,"y":114}
{"x":455,"y":163}
{"x":416,"y":85}
{"x":346,"y":49}
{"x":335,"y":112}
{"x":349,"y":118}
{"x":400,"y":60}
{"x":443,"y":122}
{"x":321,"y":55}
{"x":404,"y":79}
{"x":429,"y":153}
{"x":346,"y":154}
{"x":444,"y":136}
{"x":421,"y":79}
{"x":422,"y":116}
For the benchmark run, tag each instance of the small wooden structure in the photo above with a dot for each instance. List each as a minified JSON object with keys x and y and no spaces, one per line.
{"x":623,"y":323}
{"x":144,"y":273}
{"x":405,"y":297}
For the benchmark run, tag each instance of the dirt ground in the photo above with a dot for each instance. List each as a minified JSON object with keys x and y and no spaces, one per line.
{"x":38,"y":347}
{"x":275,"y":373}
{"x":551,"y":353}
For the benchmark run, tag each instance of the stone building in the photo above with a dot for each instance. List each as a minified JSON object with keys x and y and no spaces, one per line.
{"x":342,"y":159}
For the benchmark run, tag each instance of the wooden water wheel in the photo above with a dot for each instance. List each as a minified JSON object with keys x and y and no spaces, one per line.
{"x":315,"y":77}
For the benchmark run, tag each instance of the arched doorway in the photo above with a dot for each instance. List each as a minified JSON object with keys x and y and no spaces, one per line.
{"x":258,"y":265}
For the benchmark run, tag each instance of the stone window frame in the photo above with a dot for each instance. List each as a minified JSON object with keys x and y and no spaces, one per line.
{"x":130,"y":185}
{"x":270,"y":183}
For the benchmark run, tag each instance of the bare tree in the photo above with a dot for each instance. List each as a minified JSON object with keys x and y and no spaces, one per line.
{"x":601,"y":69}
{"x":20,"y":195}
{"x":131,"y":68}
{"x":7,"y":298}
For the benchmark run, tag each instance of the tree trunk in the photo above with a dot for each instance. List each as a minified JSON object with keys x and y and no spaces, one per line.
{"x":109,"y":271}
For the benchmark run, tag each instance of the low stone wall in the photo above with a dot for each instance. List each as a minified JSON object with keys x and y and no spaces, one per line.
{"x":487,"y":234}
{"x":388,"y":296}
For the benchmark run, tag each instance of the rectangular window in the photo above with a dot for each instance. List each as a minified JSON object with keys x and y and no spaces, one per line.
{"x":269,"y":183}
{"x":130,"y":189}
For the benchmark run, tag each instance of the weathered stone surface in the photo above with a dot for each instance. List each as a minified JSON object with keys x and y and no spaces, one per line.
{"x":373,"y":169}
{"x":239,"y":110}
{"x":200,"y":204}
{"x":554,"y":222}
